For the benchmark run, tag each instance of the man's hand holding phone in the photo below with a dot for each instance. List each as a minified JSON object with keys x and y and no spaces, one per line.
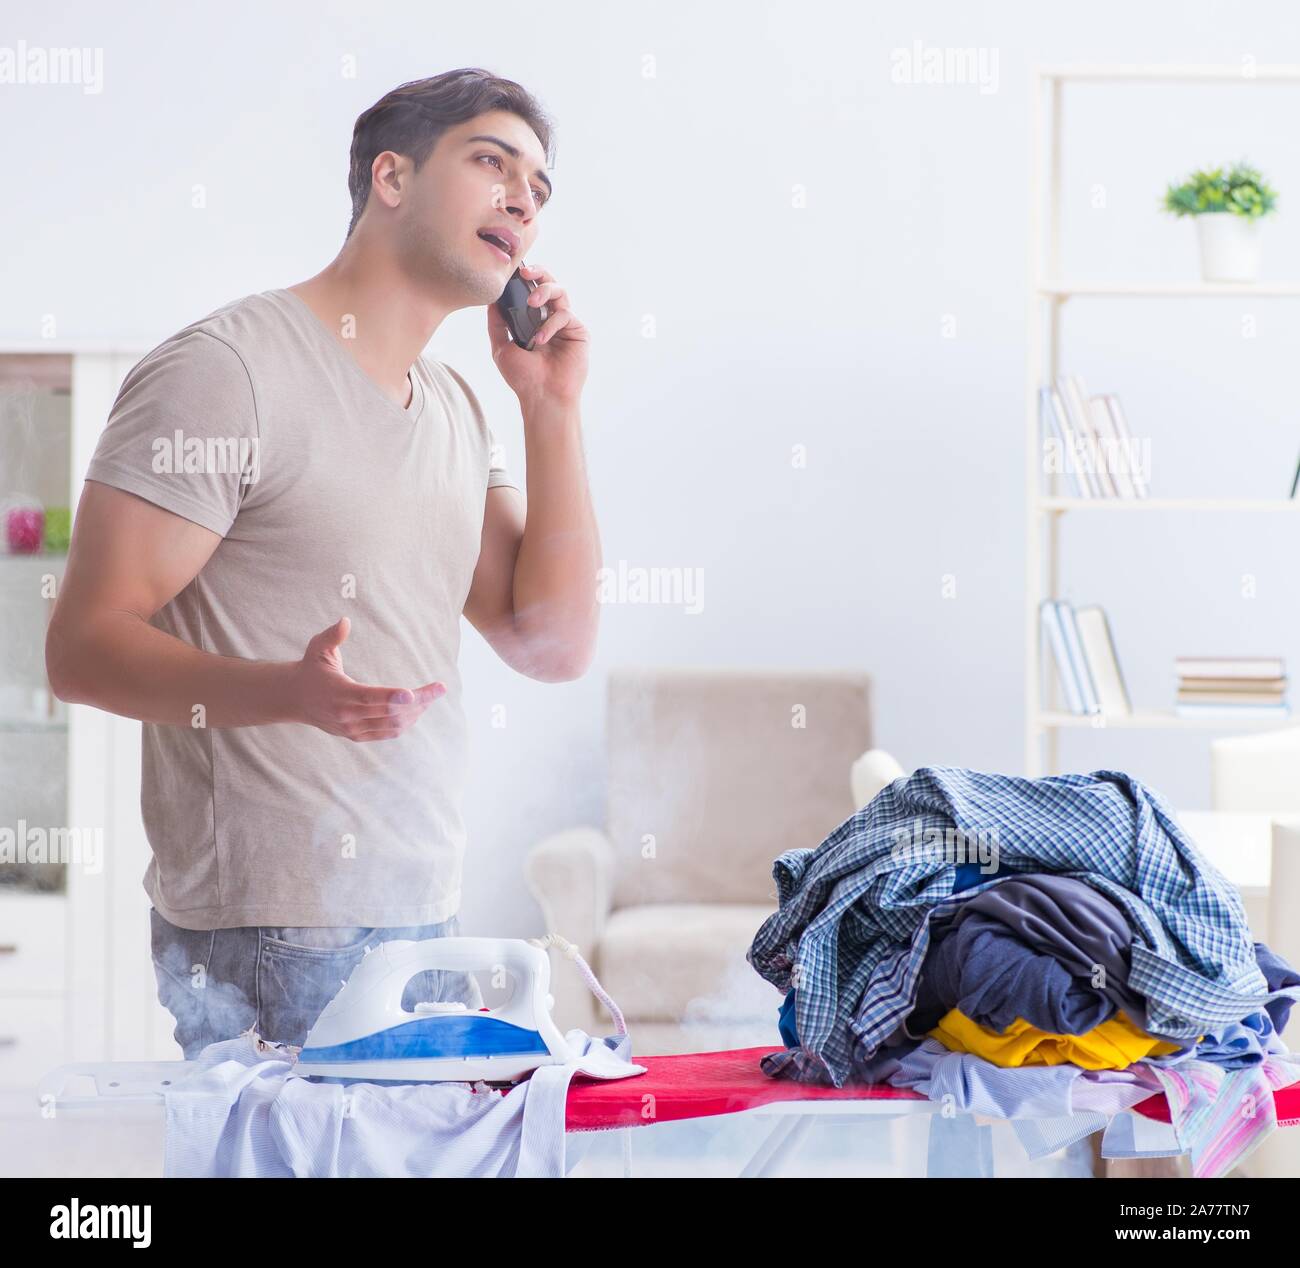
{"x":554,"y":371}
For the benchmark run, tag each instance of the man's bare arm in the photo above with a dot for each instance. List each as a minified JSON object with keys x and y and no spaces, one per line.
{"x":127,"y":559}
{"x":533,"y":597}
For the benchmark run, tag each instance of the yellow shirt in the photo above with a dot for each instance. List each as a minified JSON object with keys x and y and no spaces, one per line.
{"x":1113,"y":1045}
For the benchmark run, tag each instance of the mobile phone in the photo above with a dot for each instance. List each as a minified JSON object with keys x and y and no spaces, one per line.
{"x":523,"y":319}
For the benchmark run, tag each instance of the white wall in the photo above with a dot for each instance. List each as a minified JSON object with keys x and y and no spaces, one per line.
{"x":776,"y":326}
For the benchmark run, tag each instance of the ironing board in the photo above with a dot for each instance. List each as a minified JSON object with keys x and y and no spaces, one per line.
{"x":704,"y":1084}
{"x":675,"y":1088}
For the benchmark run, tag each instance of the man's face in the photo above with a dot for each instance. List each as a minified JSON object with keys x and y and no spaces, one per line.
{"x":472,"y":185}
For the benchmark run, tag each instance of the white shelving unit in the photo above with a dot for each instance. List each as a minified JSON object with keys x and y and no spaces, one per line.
{"x":1048,"y":295}
{"x":76,"y":981}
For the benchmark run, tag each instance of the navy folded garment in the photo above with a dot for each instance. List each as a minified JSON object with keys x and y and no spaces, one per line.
{"x":1048,"y":949}
{"x":982,"y":968}
{"x":1277,"y":973}
{"x":785,"y":1023}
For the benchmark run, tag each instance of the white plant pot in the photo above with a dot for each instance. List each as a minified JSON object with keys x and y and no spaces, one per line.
{"x":1229,"y":247}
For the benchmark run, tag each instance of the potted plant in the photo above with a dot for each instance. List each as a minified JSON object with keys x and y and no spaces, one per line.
{"x":1228,"y":207}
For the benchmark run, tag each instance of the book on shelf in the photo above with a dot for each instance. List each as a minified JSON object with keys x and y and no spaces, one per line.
{"x":1128,"y":447}
{"x":1051,"y":622}
{"x":1197,"y":696}
{"x":1104,"y":425}
{"x":1231,"y":667}
{"x":1224,"y":686}
{"x":1056,"y":418}
{"x":1095,"y":462}
{"x":1087,"y":665}
{"x":1097,"y":448}
{"x":1099,"y":648}
{"x":1277,"y":710}
{"x":1074,"y":651}
{"x":1253,"y":687}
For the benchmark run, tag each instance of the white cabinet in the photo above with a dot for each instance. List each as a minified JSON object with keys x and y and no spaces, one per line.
{"x":33,"y":945}
{"x":76,"y":978}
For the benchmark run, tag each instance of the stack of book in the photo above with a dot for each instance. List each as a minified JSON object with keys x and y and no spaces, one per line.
{"x":1223,"y":686}
{"x":1088,"y":439}
{"x":1086,"y":664}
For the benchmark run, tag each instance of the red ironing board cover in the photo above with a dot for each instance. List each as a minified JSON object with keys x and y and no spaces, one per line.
{"x":699,"y":1084}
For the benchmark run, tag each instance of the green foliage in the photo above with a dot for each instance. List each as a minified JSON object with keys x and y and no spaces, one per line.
{"x":1241,"y":190}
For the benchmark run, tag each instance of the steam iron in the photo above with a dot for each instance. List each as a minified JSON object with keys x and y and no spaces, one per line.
{"x":364,"y":1033}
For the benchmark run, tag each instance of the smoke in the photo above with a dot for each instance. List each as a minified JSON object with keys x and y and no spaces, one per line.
{"x":206,"y":1009}
{"x":743,"y":1003}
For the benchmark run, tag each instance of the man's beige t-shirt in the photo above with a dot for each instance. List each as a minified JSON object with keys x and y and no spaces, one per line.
{"x":331,"y":500}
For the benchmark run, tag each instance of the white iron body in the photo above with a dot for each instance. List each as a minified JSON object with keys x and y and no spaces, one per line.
{"x":364,"y":1033}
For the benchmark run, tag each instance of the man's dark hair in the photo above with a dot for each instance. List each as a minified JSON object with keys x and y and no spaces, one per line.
{"x":410,"y":119}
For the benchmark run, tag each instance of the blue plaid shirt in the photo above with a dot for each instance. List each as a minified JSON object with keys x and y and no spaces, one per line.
{"x":852,"y":927}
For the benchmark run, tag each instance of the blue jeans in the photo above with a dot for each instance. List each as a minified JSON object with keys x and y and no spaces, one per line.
{"x":217,"y":983}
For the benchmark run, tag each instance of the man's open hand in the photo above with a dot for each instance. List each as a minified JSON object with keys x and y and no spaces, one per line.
{"x":324,"y":696}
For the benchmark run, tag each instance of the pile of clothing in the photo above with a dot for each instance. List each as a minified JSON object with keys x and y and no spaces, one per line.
{"x":1050,"y":951}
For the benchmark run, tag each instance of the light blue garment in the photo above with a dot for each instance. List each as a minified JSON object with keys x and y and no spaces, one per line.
{"x":243,"y":1112}
{"x":1221,"y":1116}
{"x":959,"y":1148}
{"x":972,"y":1084}
{"x":1042,"y":1137}
{"x":852,"y":927}
{"x":1240,"y":1043}
{"x":1051,"y":1107}
{"x":1130,"y":1135}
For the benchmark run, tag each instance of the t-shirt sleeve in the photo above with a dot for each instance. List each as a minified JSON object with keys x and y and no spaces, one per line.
{"x":183,"y":431}
{"x":498,"y":472}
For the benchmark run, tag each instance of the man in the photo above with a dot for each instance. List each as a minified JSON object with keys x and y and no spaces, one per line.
{"x":286,"y":515}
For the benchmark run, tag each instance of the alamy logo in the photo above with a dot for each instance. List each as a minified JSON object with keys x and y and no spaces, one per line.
{"x":947,"y":845}
{"x":935,"y":64}
{"x":104,"y":1221}
{"x":179,"y":454}
{"x":31,"y":843}
{"x":670,"y":586}
{"x":1131,"y":456}
{"x":34,"y":64}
